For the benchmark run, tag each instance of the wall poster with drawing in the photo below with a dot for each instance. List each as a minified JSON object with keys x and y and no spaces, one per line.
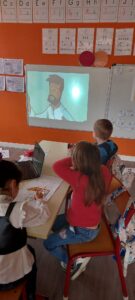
{"x":120,"y":108}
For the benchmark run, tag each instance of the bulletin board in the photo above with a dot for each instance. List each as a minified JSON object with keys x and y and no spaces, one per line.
{"x":120,"y":108}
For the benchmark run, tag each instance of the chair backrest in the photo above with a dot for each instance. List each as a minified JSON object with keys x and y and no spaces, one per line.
{"x":123,"y":226}
{"x":110,"y":163}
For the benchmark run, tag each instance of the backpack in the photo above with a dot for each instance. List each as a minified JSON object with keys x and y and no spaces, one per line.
{"x":122,"y":226}
{"x":125,"y":175}
{"x":127,"y":237}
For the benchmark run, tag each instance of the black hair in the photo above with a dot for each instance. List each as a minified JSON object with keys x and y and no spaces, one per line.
{"x":8,"y":171}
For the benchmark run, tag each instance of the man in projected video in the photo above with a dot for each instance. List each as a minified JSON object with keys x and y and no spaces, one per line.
{"x":56,"y":110}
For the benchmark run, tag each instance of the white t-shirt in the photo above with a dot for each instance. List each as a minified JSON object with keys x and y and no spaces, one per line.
{"x":58,"y":113}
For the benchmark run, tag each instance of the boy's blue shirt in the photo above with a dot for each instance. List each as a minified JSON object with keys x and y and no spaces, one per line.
{"x":107,"y":150}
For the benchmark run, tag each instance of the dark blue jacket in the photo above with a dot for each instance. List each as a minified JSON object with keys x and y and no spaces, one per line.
{"x":107,"y":150}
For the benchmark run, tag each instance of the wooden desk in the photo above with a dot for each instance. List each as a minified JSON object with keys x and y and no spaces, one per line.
{"x":54,"y":151}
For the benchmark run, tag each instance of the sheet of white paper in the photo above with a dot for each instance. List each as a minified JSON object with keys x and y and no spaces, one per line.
{"x":67,"y":40}
{"x":13,"y":66}
{"x":15,"y":84}
{"x":2,"y":83}
{"x":8,"y":8}
{"x":50,"y":41}
{"x":1,"y":66}
{"x":57,"y":11}
{"x":132,"y":99}
{"x":123,"y":41}
{"x":104,"y":39}
{"x":24,"y":11}
{"x":40,"y":11}
{"x":134,"y":49}
{"x":91,"y":11}
{"x":74,"y":11}
{"x":85,"y":39}
{"x":126,"y":11}
{"x":109,"y":11}
{"x":48,"y":183}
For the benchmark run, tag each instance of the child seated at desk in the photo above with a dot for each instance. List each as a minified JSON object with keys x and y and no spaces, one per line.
{"x":17,"y":261}
{"x":103,"y":129}
{"x":89,"y":181}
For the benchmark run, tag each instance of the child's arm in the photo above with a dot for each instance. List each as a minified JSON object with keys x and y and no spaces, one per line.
{"x":29,"y":213}
{"x":64,"y":169}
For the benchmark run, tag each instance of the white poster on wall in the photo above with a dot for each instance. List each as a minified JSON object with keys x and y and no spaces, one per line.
{"x":74,"y":11}
{"x":67,"y":40}
{"x":8,"y":11}
{"x":1,"y":66}
{"x":134,"y":49}
{"x":0,"y":13}
{"x":40,"y":11}
{"x":133,"y":91}
{"x":123,"y":41}
{"x":104,"y":39}
{"x":13,"y":66}
{"x":50,"y":40}
{"x":126,"y":11}
{"x":109,"y":10}
{"x":15,"y":84}
{"x":91,"y":11}
{"x":57,"y":11}
{"x":85,"y":39}
{"x":24,"y":11}
{"x":2,"y":83}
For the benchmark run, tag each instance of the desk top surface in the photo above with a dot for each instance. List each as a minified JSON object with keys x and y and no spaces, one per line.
{"x":53,"y":151}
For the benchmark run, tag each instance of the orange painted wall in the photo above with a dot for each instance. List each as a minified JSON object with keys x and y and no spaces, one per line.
{"x":25,"y":41}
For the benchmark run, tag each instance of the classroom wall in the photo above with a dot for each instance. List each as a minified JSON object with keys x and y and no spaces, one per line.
{"x":24,"y":41}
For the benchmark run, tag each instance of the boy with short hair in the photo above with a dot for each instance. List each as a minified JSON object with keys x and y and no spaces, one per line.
{"x":102,"y":131}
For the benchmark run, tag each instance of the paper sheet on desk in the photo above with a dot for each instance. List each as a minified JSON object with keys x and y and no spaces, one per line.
{"x":49,"y":183}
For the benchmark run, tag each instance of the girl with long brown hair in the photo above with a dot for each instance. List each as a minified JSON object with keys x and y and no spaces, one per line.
{"x":89,"y":181}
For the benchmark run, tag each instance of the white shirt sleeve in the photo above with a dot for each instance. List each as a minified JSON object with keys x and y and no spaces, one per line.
{"x":29,"y":213}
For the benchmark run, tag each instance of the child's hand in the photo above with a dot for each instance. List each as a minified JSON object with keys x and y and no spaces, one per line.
{"x":70,"y":149}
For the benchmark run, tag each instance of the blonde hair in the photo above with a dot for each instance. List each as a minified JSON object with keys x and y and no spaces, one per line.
{"x":103,"y":129}
{"x":86,"y":159}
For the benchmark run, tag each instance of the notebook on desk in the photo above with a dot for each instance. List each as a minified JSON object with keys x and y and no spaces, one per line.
{"x":32,"y":168}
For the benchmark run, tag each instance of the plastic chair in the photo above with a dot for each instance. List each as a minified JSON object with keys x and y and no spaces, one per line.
{"x":103,"y":245}
{"x":17,"y":293}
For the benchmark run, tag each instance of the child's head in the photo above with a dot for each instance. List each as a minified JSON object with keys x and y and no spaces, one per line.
{"x":86,"y":157}
{"x":103,"y":129}
{"x":10,"y":177}
{"x":86,"y":160}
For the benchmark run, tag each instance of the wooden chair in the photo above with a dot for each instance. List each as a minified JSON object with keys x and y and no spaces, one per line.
{"x":18,"y":293}
{"x":103,"y":245}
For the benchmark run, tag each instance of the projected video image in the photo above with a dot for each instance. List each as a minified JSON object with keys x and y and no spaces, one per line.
{"x":58,"y":95}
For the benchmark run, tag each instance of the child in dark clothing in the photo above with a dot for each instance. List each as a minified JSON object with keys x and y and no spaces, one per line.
{"x":17,"y":260}
{"x":102,"y":131}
